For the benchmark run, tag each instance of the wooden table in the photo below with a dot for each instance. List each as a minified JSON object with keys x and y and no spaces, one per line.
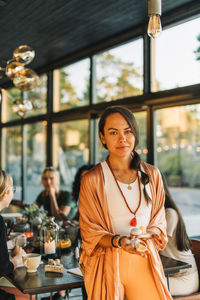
{"x":172,"y":266}
{"x":41,"y":282}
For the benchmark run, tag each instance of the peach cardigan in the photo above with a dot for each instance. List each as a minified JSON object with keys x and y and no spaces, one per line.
{"x":101,"y":265}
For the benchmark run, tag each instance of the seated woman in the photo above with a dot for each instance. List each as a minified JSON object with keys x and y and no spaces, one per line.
{"x":178,"y":247}
{"x":57,"y":203}
{"x":77,"y":183}
{"x":75,"y":193}
{"x":8,"y":265}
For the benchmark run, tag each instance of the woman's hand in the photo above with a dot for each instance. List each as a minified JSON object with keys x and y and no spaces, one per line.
{"x":52,"y":192}
{"x":18,"y":251}
{"x":134,"y":246}
{"x":17,"y":254}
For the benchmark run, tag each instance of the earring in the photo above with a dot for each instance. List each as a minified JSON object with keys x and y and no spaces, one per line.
{"x":132,"y":154}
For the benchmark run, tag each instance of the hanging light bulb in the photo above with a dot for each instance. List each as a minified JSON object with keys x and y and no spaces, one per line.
{"x":21,"y":107}
{"x":154,"y":12}
{"x":24,"y":54}
{"x":26,"y":80}
{"x":12,"y":68}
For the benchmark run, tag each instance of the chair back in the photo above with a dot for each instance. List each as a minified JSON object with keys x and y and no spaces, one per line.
{"x":196,"y":251}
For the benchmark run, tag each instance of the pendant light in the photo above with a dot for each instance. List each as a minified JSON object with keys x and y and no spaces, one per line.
{"x":154,"y":12}
{"x":23,"y":78}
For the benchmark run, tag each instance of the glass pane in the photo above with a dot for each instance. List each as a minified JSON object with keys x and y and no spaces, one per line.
{"x":38,"y":98}
{"x":175,"y":63}
{"x":8,"y":98}
{"x":70,"y":149}
{"x":71,"y":86}
{"x":119,"y":72}
{"x":178,"y":157}
{"x":11,"y":156}
{"x":141,"y":118}
{"x":102,"y":153}
{"x":35,"y":159}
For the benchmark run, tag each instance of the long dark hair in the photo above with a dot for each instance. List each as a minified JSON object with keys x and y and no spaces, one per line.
{"x":77,"y":181}
{"x":182,"y":240}
{"x":129,"y":117}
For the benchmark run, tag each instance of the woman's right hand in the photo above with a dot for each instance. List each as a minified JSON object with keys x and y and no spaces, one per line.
{"x":52,"y":192}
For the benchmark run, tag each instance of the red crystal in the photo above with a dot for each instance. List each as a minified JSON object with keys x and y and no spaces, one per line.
{"x":133,"y":222}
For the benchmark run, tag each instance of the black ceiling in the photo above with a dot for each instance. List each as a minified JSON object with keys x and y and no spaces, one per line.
{"x":58,"y":28}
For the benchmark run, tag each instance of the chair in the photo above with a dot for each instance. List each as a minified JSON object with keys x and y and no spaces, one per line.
{"x":18,"y":295}
{"x":196,"y":251}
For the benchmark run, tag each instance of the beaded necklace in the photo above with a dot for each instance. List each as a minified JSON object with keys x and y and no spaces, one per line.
{"x":133,"y":221}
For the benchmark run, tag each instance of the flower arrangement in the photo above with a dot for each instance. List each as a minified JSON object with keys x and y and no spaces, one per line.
{"x":34,"y":214}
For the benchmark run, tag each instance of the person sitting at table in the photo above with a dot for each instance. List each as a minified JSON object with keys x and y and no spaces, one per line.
{"x":77,"y":183}
{"x":75,"y":194}
{"x":58,"y":203}
{"x":8,"y":265}
{"x":179,"y":247}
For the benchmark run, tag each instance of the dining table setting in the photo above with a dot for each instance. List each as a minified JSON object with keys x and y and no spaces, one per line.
{"x":52,"y":252}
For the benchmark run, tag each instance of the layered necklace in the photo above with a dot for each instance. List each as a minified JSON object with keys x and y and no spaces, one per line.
{"x":133,"y":221}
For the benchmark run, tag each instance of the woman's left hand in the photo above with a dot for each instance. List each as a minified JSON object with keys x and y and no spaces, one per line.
{"x":130,"y":245}
{"x":18,"y":251}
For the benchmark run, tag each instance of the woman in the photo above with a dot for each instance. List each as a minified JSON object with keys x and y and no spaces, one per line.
{"x":115,"y":195}
{"x":178,"y":247}
{"x":7,"y":265}
{"x":75,"y":193}
{"x":77,"y":182}
{"x":58,"y":203}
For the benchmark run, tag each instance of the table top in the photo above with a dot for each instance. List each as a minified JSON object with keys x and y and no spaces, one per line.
{"x":43,"y":282}
{"x":172,"y":266}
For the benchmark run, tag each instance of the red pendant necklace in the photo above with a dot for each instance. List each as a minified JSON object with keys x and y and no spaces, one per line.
{"x":133,"y":221}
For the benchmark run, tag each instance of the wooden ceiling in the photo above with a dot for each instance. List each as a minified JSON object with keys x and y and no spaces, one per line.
{"x":58,"y":28}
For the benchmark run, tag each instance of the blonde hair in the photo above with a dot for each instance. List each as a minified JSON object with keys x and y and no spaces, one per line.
{"x":53,"y":170}
{"x":6,"y":183}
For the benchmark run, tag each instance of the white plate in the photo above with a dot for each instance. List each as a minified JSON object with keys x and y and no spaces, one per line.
{"x":11,"y":215}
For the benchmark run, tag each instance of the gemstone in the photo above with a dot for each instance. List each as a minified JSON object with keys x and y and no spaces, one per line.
{"x":133,"y":222}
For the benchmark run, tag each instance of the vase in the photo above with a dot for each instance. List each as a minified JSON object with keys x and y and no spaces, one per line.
{"x":49,"y":238}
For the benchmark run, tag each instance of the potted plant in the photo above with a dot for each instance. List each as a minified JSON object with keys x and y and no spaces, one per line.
{"x":34,"y":214}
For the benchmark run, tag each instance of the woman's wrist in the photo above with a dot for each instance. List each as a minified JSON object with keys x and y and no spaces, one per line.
{"x":116,"y":240}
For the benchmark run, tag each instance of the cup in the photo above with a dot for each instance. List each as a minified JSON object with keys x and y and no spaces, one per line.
{"x":31,"y":261}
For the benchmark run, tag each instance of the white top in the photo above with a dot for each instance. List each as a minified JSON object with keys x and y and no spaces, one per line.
{"x":117,"y":209}
{"x":171,"y":249}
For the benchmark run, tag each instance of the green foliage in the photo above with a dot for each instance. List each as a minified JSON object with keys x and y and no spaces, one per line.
{"x":32,"y":211}
{"x":197,"y":52}
{"x":118,"y":80}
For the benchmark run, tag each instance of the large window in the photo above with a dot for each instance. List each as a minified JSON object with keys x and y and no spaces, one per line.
{"x":71,"y":86}
{"x":38,"y":98}
{"x":9,"y":97}
{"x":12,"y":156}
{"x":178,"y":157}
{"x":176,"y":57}
{"x":34,"y":158}
{"x":70,"y":149}
{"x":119,"y":72}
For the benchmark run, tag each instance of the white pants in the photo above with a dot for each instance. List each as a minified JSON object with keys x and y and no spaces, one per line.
{"x":184,"y":285}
